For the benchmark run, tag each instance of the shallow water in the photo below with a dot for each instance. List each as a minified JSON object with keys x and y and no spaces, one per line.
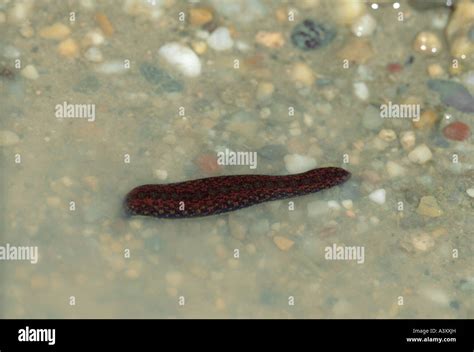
{"x":63,"y":180}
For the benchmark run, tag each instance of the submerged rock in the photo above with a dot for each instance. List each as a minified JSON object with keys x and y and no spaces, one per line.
{"x":310,"y":35}
{"x":453,"y":94}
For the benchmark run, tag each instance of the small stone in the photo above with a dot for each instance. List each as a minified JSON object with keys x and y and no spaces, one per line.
{"x":394,"y":67}
{"x":283,"y":243}
{"x":435,"y":70}
{"x":407,"y":139}
{"x":220,"y":39}
{"x":265,"y":90}
{"x":93,"y":38}
{"x":68,"y":48}
{"x":270,"y":39}
{"x":57,"y":31}
{"x":29,"y":72}
{"x":238,"y":228}
{"x":371,"y":119}
{"x":93,"y":54}
{"x":356,"y":50}
{"x":310,"y":35}
{"x":207,"y":164}
{"x":10,"y":52}
{"x":302,"y":73}
{"x":27,"y":31}
{"x":182,"y":58}
{"x":317,"y":209}
{"x":332,"y":204}
{"x":429,"y":207}
{"x":200,"y":16}
{"x":457,"y":131}
{"x":174,"y":278}
{"x":394,"y":169}
{"x":161,"y":174}
{"x":427,"y":120}
{"x":160,"y":78}
{"x":427,"y":43}
{"x":364,"y":26}
{"x":347,"y":203}
{"x":111,"y":67}
{"x":420,"y":155}
{"x":348,"y":11}
{"x":296,"y":163}
{"x":88,"y":84}
{"x":378,"y":196}
{"x":470,"y":192}
{"x":361,"y":91}
{"x":92,"y":182}
{"x":8,"y":138}
{"x":199,"y":47}
{"x":104,"y":24}
{"x":387,"y":135}
{"x":422,"y":242}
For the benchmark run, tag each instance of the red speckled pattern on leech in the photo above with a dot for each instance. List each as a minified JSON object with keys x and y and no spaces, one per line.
{"x":216,"y":195}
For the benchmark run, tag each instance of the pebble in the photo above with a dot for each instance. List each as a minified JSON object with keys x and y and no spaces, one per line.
{"x":332,"y":204}
{"x":296,"y":163}
{"x":199,"y":47}
{"x":361,"y":91}
{"x":93,"y":38}
{"x":348,"y":11}
{"x":237,"y":227}
{"x":427,"y":120}
{"x":200,"y":16}
{"x":470,"y":192}
{"x":347,"y":203}
{"x":427,"y":43}
{"x":457,"y":131}
{"x":357,"y":50}
{"x":283,"y":243}
{"x":174,"y":278}
{"x":435,"y":295}
{"x":429,"y":207}
{"x":272,"y":40}
{"x":260,"y":228}
{"x":30,"y":72}
{"x":310,"y":35}
{"x":302,"y":73}
{"x":241,"y":10}
{"x":88,"y":84}
{"x":68,"y":48}
{"x":378,"y":196}
{"x":407,"y":139}
{"x":163,"y":80}
{"x":420,"y":155}
{"x":371,"y":118}
{"x":265,"y":90}
{"x":182,"y":58}
{"x":104,"y":24}
{"x":19,"y":12}
{"x":467,"y":284}
{"x":387,"y":135}
{"x":220,"y":39}
{"x":364,"y":26}
{"x":8,"y":138}
{"x":453,"y":94}
{"x":111,"y":67}
{"x":207,"y":164}
{"x":93,"y":54}
{"x":435,"y":70}
{"x":161,"y":174}
{"x":394,"y":169}
{"x":57,"y":31}
{"x":10,"y":52}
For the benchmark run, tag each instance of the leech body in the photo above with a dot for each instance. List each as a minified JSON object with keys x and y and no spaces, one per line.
{"x":221,"y":194}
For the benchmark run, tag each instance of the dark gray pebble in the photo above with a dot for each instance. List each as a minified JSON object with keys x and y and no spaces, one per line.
{"x":310,"y":35}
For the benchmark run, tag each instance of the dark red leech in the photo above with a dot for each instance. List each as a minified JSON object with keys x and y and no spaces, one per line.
{"x":215,"y":195}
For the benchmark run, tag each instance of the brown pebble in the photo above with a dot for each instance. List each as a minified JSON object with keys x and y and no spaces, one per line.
{"x":457,"y":131}
{"x":200,"y":16}
{"x":207,"y":164}
{"x":104,"y":24}
{"x":428,"y":119}
{"x":56,"y":31}
{"x":356,"y":50}
{"x":68,"y":48}
{"x":283,"y":243}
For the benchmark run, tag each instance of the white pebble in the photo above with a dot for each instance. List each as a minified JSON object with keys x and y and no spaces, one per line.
{"x":296,"y":163}
{"x":10,"y":52}
{"x":407,"y":139}
{"x":470,"y":192}
{"x":30,"y":72}
{"x":332,"y":204}
{"x":93,"y":54}
{"x":420,"y":155}
{"x":161,"y":174}
{"x":220,"y":39}
{"x":8,"y":138}
{"x":394,"y":169}
{"x":378,"y":196}
{"x":183,"y":58}
{"x":347,"y":203}
{"x":361,"y":91}
{"x":436,"y":295}
{"x":111,"y":67}
{"x":364,"y":26}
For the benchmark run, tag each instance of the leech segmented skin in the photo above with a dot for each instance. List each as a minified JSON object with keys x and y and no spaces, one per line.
{"x":221,"y":194}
